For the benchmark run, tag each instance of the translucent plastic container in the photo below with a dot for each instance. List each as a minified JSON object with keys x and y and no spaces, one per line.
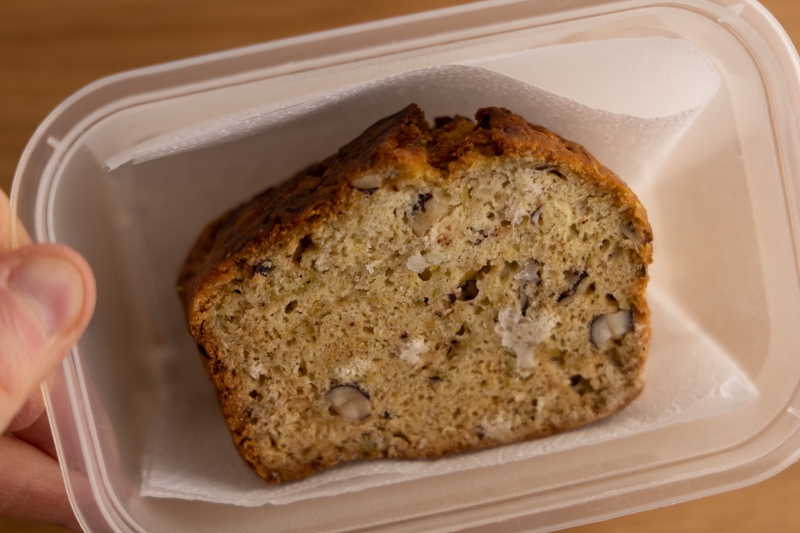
{"x":130,"y":168}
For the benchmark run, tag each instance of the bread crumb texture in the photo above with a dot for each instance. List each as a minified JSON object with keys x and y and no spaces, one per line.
{"x":429,"y":289}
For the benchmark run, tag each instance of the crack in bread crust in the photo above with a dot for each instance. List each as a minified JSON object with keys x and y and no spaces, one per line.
{"x":469,"y":284}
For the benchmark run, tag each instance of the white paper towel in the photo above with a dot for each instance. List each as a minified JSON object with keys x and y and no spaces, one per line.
{"x":626,"y":100}
{"x":631,"y":129}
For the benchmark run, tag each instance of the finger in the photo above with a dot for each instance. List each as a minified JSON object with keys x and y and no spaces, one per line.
{"x":32,"y":486}
{"x":30,"y":419}
{"x":9,"y":226}
{"x":32,"y":425}
{"x":47,"y":296}
{"x":27,"y":415}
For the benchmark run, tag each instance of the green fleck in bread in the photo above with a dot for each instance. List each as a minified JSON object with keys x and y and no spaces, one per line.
{"x":424,"y":291}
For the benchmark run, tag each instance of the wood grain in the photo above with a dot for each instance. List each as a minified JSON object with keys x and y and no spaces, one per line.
{"x":51,"y":48}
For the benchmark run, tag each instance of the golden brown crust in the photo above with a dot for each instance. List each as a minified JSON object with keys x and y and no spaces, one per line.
{"x":301,"y":200}
{"x":400,"y":138}
{"x":403,"y":141}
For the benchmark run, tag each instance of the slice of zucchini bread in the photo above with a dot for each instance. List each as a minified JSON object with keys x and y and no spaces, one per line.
{"x":426,"y":290}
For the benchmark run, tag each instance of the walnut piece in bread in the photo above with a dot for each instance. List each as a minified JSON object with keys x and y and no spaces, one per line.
{"x":424,"y":291}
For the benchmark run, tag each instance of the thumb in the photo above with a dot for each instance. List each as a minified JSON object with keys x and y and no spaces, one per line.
{"x":47,"y":295}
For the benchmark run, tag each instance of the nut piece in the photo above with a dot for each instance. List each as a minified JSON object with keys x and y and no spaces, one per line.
{"x":349,"y":402}
{"x":536,"y":215}
{"x":367,"y":182}
{"x":531,"y":272}
{"x":630,"y":232}
{"x":429,"y":209}
{"x":577,"y":284}
{"x":611,"y":326}
{"x":265,"y":267}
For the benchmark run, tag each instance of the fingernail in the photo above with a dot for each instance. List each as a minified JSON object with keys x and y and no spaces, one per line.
{"x":53,"y":286}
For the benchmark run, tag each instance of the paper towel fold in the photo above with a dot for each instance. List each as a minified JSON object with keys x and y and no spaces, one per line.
{"x":625,"y":100}
{"x":190,"y":453}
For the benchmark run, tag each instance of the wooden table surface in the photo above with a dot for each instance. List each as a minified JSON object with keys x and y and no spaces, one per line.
{"x":51,"y":48}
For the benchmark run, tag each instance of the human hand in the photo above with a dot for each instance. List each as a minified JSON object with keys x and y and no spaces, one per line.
{"x":47,"y":296}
